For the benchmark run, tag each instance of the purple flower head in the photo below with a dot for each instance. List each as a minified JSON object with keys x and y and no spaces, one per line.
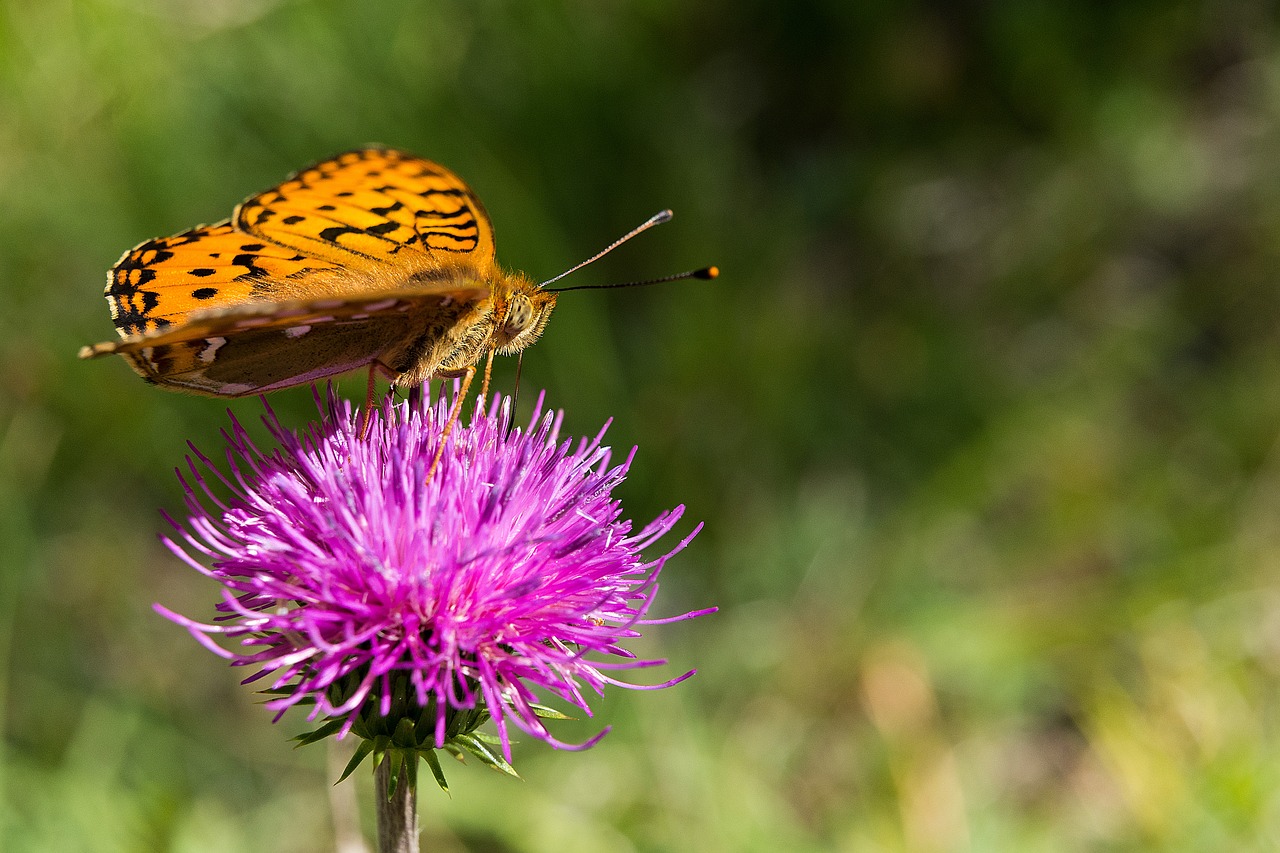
{"x":410,"y":607}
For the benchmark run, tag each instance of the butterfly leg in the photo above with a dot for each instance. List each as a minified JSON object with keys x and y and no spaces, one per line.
{"x":375,"y":367}
{"x":484,"y":386}
{"x":515,"y":394}
{"x":454,"y":411}
{"x":366,"y":414}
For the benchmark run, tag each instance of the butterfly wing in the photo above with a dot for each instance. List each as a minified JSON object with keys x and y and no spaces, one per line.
{"x":158,"y":284}
{"x":255,"y":347}
{"x":368,"y":253}
{"x":373,"y":204}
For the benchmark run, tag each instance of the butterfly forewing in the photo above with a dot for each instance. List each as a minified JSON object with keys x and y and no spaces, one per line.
{"x":372,"y":204}
{"x":158,"y":284}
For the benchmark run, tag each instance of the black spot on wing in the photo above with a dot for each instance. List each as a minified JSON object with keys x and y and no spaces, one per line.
{"x":460,"y":210}
{"x":131,"y":303}
{"x":204,"y":292}
{"x":333,"y":232}
{"x":249,"y":261}
{"x":391,"y":208}
{"x":125,"y":281}
{"x":432,"y":193}
{"x":130,"y":312}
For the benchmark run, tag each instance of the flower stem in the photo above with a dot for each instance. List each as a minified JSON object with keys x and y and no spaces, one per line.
{"x":398,"y":815}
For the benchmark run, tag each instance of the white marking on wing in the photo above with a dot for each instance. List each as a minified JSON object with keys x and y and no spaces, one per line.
{"x":210,"y":352}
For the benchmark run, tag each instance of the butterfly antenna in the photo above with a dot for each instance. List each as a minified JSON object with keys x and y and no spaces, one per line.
{"x":704,"y":273}
{"x":657,"y":219}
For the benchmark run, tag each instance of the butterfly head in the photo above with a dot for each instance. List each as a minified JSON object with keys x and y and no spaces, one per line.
{"x":521,"y":317}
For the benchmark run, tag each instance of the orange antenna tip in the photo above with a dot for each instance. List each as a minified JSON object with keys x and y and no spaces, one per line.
{"x":704,"y":273}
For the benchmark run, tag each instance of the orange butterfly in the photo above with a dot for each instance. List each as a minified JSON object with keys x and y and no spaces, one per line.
{"x":374,"y":258}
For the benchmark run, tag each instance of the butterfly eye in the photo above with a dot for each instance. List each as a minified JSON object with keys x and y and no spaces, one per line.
{"x":519,"y":315}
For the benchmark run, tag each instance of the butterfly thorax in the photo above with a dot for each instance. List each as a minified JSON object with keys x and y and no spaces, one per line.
{"x":507,"y":318}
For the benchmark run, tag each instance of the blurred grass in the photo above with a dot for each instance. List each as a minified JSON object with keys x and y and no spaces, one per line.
{"x":981,"y":416}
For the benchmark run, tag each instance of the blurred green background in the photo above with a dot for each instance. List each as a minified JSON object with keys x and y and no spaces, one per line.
{"x":982,"y":415}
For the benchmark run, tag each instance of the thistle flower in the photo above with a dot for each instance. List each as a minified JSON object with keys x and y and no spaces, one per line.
{"x":411,"y":608}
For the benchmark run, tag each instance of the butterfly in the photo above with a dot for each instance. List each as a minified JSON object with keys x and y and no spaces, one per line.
{"x":374,"y":258}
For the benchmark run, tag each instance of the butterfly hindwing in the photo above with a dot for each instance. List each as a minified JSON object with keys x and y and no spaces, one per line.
{"x":372,"y":204}
{"x":261,"y":346}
